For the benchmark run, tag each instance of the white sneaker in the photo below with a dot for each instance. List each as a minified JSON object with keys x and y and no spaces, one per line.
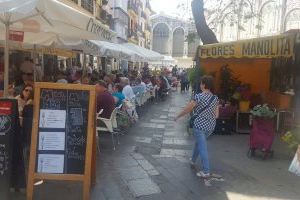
{"x":201,"y":174}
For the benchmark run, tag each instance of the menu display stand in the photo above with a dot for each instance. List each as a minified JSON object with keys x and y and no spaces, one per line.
{"x":63,"y":134}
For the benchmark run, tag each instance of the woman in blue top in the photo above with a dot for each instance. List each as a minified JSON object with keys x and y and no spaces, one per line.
{"x":118,"y":95}
{"x":205,"y":106}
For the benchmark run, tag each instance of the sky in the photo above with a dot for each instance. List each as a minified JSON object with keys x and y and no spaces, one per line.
{"x":169,"y":7}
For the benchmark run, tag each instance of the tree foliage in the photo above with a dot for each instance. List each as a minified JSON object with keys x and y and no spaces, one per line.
{"x":208,"y":15}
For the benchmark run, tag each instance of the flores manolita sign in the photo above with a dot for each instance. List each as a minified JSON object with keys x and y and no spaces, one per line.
{"x":267,"y":47}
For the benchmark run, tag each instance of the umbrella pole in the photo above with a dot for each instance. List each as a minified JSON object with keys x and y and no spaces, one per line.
{"x":6,"y":60}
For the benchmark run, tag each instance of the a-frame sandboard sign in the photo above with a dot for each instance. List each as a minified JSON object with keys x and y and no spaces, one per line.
{"x":62,"y":134}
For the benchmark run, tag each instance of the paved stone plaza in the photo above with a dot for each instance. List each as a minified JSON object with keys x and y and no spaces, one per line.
{"x":152,"y":163}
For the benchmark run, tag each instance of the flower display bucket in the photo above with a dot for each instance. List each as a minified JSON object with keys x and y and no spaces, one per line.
{"x":244,"y":106}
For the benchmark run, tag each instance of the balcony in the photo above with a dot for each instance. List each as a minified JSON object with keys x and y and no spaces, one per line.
{"x":133,"y":6}
{"x":149,"y":28}
{"x":105,"y":17}
{"x":87,"y":5}
{"x":140,"y":29}
{"x":132,"y":34}
{"x":75,"y":1}
{"x":143,"y":15}
{"x":104,"y":2}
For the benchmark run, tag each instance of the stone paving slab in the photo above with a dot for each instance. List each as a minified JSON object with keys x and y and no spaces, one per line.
{"x":145,"y":165}
{"x":133,"y":173}
{"x":143,"y":187}
{"x":158,"y":121}
{"x":172,"y":141}
{"x":143,"y":139}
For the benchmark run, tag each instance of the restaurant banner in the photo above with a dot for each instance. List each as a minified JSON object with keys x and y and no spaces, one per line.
{"x":266,"y":47}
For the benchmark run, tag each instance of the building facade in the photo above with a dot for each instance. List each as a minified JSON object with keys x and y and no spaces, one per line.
{"x":120,"y":19}
{"x":170,"y":36}
{"x":258,"y":18}
{"x":95,"y":8}
{"x":139,"y":32}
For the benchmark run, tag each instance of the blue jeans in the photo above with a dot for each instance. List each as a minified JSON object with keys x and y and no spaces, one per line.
{"x":200,"y":148}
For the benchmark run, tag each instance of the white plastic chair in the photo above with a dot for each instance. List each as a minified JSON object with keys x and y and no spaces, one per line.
{"x":110,"y":125}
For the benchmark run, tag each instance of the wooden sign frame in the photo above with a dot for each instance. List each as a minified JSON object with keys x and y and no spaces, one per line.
{"x":89,"y":176}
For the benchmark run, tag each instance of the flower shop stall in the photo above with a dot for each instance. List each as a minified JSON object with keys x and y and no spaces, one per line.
{"x":269,"y":65}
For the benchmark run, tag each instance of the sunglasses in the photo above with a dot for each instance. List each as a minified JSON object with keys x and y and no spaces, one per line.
{"x":28,"y":90}
{"x":28,"y":74}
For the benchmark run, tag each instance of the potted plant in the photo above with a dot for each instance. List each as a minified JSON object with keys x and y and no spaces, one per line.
{"x":262,"y":132}
{"x":243,"y":95}
{"x":228,"y":83}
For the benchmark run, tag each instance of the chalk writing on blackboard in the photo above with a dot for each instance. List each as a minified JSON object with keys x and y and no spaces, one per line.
{"x":52,"y":99}
{"x":4,"y":161}
{"x":74,"y":99}
{"x":72,"y":153}
{"x":5,"y":124}
{"x":77,"y":129}
{"x":74,"y":140}
{"x":76,"y":118}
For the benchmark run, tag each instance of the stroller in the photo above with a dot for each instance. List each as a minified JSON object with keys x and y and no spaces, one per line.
{"x":261,"y":137}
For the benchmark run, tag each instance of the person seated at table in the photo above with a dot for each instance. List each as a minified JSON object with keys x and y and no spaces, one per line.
{"x":27,"y":75}
{"x":141,"y":85}
{"x":86,"y":80}
{"x":105,"y":100}
{"x":162,"y":84}
{"x":109,"y":83}
{"x":148,"y":83}
{"x":25,"y":98}
{"x":118,"y":95}
{"x":61,"y":77}
{"x":127,"y":89}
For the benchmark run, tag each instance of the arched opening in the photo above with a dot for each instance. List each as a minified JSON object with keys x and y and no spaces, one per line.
{"x":292,"y":19}
{"x":269,"y":19}
{"x":161,"y":38}
{"x":247,"y":22}
{"x":178,"y":42}
{"x":229,"y":27}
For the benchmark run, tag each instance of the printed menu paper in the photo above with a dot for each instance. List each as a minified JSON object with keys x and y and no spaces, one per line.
{"x":52,"y":118}
{"x":50,"y":163}
{"x":52,"y":141}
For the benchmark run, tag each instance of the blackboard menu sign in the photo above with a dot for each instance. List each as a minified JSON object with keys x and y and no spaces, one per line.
{"x":63,"y":132}
{"x":8,"y":123}
{"x":63,"y":121}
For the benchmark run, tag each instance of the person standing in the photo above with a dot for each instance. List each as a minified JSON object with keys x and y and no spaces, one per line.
{"x":205,"y":106}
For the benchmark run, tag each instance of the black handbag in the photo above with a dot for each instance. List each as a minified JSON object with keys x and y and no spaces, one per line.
{"x":195,"y":115}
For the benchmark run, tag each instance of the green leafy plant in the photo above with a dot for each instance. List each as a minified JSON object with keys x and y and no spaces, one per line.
{"x":263,"y":111}
{"x":228,"y":84}
{"x":194,"y":73}
{"x":292,"y":138}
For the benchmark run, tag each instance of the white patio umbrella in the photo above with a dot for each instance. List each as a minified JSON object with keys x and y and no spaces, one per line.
{"x":45,"y":22}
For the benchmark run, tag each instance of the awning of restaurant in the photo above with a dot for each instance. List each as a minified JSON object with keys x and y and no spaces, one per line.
{"x":45,"y":22}
{"x":147,"y":54}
